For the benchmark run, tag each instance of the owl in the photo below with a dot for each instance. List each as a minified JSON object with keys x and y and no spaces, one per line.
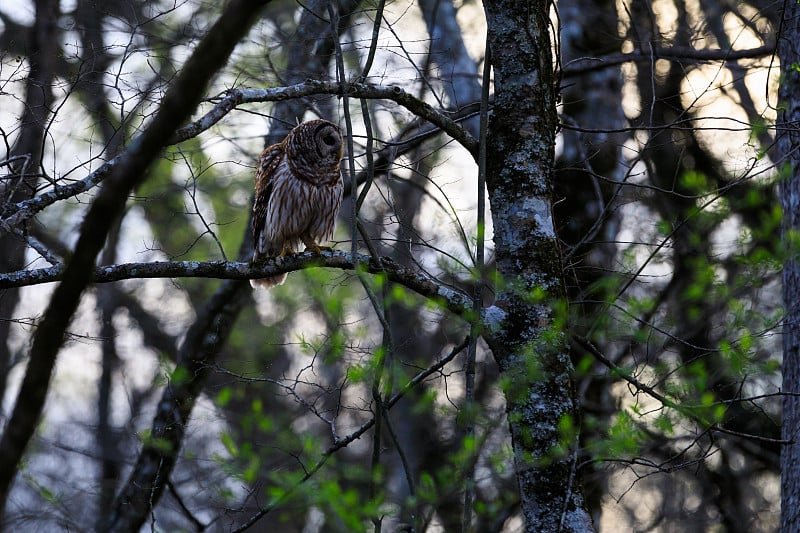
{"x":298,"y":193}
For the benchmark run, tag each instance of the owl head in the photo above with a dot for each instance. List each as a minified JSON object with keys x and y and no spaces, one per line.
{"x":314,"y":150}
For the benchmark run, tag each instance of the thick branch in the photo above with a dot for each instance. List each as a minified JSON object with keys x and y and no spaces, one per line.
{"x":160,"y":449}
{"x":453,"y":299}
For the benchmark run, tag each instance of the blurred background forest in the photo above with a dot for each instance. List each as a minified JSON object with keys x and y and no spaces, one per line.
{"x":665,"y":203}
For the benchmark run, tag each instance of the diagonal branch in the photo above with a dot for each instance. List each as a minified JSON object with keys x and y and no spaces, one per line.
{"x":160,"y":449}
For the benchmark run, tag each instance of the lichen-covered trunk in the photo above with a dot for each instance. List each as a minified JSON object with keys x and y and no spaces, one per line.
{"x":530,"y":346}
{"x":788,"y":141}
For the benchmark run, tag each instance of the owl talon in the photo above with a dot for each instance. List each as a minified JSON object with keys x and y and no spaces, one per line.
{"x":316,"y":249}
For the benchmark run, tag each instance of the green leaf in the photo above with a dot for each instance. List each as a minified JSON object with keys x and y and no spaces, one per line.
{"x":224,"y":396}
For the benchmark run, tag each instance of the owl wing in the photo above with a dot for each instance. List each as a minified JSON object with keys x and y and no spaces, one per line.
{"x":265,"y":183}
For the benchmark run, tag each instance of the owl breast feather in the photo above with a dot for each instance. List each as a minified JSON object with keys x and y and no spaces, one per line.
{"x":297,"y":207}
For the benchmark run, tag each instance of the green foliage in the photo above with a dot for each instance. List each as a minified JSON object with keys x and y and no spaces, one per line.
{"x":623,"y":439}
{"x":158,"y":443}
{"x":179,"y":375}
{"x":346,"y":505}
{"x":47,"y":494}
{"x":758,"y":127}
{"x":399,"y":295}
{"x":425,"y":402}
{"x":664,"y":423}
{"x":224,"y":396}
{"x":738,"y":354}
{"x":584,"y":365}
{"x":664,"y":228}
{"x":337,"y":498}
{"x":568,"y":429}
{"x":244,"y":460}
{"x":791,"y":242}
{"x":695,"y":182}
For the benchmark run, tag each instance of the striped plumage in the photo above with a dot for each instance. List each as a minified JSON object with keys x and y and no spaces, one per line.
{"x":298,"y":193}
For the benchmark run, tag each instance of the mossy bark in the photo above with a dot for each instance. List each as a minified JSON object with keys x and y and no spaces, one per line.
{"x":530,"y":347}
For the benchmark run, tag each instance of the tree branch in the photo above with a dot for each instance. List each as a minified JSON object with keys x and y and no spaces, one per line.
{"x":160,"y":450}
{"x":345,"y":441}
{"x":584,"y":65}
{"x":235,"y":97}
{"x":16,"y":214}
{"x":453,"y":299}
{"x":690,"y":412}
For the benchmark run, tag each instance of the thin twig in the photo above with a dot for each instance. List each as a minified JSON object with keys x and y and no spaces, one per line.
{"x":346,"y":441}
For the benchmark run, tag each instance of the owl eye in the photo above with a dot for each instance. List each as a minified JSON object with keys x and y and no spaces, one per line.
{"x":329,"y":139}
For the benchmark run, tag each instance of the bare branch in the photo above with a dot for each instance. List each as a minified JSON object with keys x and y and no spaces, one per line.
{"x":21,"y":211}
{"x":677,"y":53}
{"x":236,"y":97}
{"x":453,"y":299}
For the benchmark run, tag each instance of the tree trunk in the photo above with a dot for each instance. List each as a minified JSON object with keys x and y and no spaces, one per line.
{"x":530,"y":345}
{"x":789,"y":165}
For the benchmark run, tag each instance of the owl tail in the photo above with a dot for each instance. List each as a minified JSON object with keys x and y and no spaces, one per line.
{"x":266,"y":283}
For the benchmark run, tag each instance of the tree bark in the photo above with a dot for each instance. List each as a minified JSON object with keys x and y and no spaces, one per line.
{"x":788,"y":135}
{"x":530,"y":346}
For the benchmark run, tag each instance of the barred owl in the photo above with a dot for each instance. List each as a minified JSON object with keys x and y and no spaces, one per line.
{"x":298,"y":193}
